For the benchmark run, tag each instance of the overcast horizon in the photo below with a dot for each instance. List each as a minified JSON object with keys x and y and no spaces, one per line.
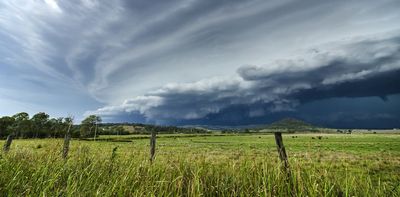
{"x":203,"y":62}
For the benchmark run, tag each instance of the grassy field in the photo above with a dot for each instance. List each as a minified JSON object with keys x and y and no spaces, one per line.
{"x":228,"y":165}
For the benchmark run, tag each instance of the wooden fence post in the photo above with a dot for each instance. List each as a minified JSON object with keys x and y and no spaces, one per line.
{"x":281,"y":149}
{"x":7,"y":145}
{"x":152,"y":145}
{"x":67,"y":139}
{"x":95,"y":132}
{"x":283,"y":157}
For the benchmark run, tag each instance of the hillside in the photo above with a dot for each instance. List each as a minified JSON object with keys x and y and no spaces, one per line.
{"x":290,"y":124}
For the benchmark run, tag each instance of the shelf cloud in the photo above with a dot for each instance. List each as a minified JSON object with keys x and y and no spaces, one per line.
{"x":200,"y":61}
{"x":365,"y":68}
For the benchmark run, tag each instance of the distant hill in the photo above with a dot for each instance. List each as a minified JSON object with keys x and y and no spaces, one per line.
{"x":284,"y":125}
{"x":291,"y":124}
{"x":221,"y":127}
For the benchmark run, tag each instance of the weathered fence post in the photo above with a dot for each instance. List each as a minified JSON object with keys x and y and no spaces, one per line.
{"x":281,"y":149}
{"x":7,"y":145}
{"x":283,"y":157}
{"x":95,"y":132}
{"x":152,"y":145}
{"x":67,"y":139}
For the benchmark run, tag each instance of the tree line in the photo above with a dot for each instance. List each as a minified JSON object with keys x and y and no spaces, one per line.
{"x":40,"y":125}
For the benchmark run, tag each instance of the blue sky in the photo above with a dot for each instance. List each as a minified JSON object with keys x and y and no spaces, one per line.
{"x":333,"y":63}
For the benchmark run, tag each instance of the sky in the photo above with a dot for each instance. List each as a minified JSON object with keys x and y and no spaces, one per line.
{"x":203,"y":62}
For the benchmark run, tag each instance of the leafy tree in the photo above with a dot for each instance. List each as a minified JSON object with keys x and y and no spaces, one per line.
{"x":56,"y":126}
{"x":22,"y":124}
{"x":40,"y":124}
{"x":67,"y":125}
{"x":6,"y":124}
{"x":119,"y":130}
{"x":89,"y":126}
{"x":68,"y":121}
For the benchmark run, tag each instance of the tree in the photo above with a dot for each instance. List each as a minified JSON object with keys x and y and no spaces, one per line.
{"x":119,"y":130}
{"x":67,"y":125}
{"x":22,"y":124}
{"x":40,"y":124}
{"x":6,"y":124}
{"x":89,"y":124}
{"x":56,"y":125}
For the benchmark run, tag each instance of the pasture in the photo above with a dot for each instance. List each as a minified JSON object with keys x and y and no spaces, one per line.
{"x":205,"y":165}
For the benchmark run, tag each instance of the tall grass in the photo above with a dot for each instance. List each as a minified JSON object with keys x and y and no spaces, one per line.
{"x":95,"y":169}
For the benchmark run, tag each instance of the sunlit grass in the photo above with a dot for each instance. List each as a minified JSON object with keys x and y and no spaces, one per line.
{"x":233,"y":165}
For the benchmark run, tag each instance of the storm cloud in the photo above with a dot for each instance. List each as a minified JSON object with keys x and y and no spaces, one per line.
{"x":199,"y":61}
{"x":365,"y":68}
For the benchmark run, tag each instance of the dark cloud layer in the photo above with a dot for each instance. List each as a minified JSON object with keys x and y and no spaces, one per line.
{"x":259,"y":94}
{"x":226,"y":62}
